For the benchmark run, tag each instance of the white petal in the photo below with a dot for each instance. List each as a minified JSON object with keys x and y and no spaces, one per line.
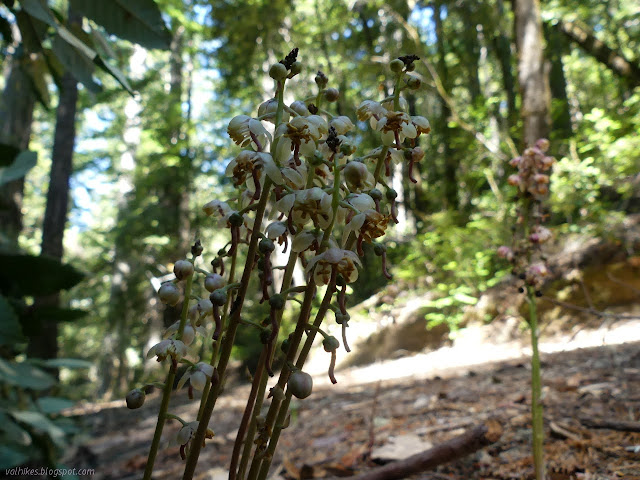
{"x":205,"y":368}
{"x":271,"y":168}
{"x":388,"y":138}
{"x":285,"y":204}
{"x":302,"y":241}
{"x":275,"y":229}
{"x":409,"y":130}
{"x":198,"y":380}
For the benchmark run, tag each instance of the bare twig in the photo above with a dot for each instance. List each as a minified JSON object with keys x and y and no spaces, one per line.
{"x":472,"y":440}
{"x":624,"y":284}
{"x":620,"y":426}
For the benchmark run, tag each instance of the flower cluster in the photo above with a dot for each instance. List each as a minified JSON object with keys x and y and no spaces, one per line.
{"x":302,"y":187}
{"x":532,"y":181}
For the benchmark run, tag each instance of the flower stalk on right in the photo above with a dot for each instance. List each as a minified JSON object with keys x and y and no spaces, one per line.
{"x":528,"y":262}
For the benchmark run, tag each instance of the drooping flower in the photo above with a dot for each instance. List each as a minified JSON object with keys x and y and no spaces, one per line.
{"x":168,"y":348}
{"x":186,"y":434}
{"x":250,"y":165}
{"x":245,"y":130}
{"x":198,"y":375}
{"x":312,"y":204}
{"x":345,"y":261}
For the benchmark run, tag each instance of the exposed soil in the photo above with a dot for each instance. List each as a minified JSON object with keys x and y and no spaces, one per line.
{"x":331,"y":431}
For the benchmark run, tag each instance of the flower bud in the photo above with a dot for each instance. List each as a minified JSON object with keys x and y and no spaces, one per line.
{"x":135,"y":399}
{"x":188,"y":335}
{"x":213,"y":282}
{"x":169,"y":294}
{"x":300,"y":108}
{"x":396,"y":65}
{"x":277,"y":302}
{"x":219,"y":297}
{"x":331,"y":94}
{"x":321,"y":80}
{"x":300,"y":384}
{"x":355,"y":172}
{"x":183,"y":269}
{"x":296,"y":68}
{"x":330,"y":344}
{"x":278,"y":71}
{"x":391,"y":194}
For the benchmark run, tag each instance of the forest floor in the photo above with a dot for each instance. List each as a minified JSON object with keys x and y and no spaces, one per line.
{"x":371,"y":416}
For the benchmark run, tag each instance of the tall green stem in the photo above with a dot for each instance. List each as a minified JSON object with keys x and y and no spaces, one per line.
{"x":537,"y":420}
{"x":168,"y":387}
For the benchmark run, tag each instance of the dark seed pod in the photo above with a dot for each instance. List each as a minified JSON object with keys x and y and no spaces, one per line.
{"x":277,"y":302}
{"x":286,"y":343}
{"x":266,"y":246}
{"x":375,"y":194}
{"x":300,"y":384}
{"x":330,"y":344}
{"x":236,"y":220}
{"x":391,"y":194}
{"x":135,"y":398}
{"x":218,"y":297}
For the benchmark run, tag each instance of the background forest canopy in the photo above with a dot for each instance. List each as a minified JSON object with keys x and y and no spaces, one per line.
{"x":144,"y":164}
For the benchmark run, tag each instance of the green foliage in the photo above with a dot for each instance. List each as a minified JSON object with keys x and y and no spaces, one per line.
{"x":138,"y":21}
{"x":22,"y":163}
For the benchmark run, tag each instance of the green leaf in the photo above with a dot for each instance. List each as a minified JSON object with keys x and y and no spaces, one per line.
{"x":71,"y":363}
{"x":8,"y":153}
{"x":51,"y":405}
{"x":10,"y":329}
{"x":11,"y":457}
{"x":13,"y":433}
{"x":102,"y":45}
{"x":39,"y":9}
{"x":24,"y":162}
{"x":115,"y":73}
{"x":30,"y":275}
{"x":25,"y":375}
{"x":467,"y":299}
{"x":79,"y":65}
{"x":138,"y":21}
{"x":42,"y":424}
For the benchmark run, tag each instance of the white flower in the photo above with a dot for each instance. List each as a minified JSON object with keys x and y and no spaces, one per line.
{"x":345,"y":261}
{"x":198,"y":376}
{"x":422,"y":124}
{"x":269,"y":108}
{"x":306,"y":239}
{"x":302,"y":132}
{"x":168,"y":348}
{"x":370,"y":110}
{"x":393,"y":123}
{"x":342,"y":124}
{"x":275,"y":230}
{"x":311,"y":204}
{"x":242,"y":127}
{"x":300,"y":108}
{"x":242,"y":167}
{"x":358,"y":177}
{"x":188,"y":335}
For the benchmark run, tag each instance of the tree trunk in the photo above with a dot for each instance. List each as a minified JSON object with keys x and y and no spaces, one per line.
{"x":502,"y":46}
{"x":16,"y":115}
{"x":560,"y":113}
{"x":177,"y":188}
{"x":614,"y":60}
{"x":450,"y":161}
{"x":45,"y":343}
{"x":532,"y":72}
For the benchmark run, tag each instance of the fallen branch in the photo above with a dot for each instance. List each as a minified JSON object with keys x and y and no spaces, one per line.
{"x":620,"y":426}
{"x":478,"y":437}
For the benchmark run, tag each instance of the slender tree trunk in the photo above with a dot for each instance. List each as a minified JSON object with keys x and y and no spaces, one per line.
{"x":16,"y":115}
{"x":611,"y":58}
{"x":502,"y":46}
{"x":560,"y":113}
{"x":45,"y":343}
{"x":177,"y":188}
{"x":450,"y":161}
{"x":118,"y":315}
{"x":533,"y":76}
